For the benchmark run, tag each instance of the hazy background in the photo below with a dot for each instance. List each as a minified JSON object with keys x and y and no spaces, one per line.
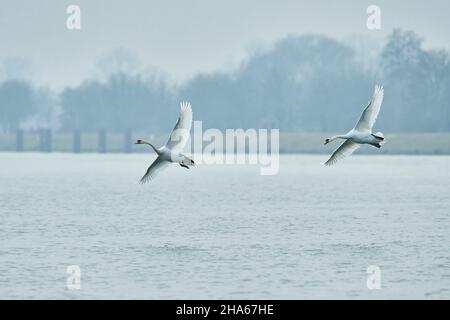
{"x":306,"y":67}
{"x":301,"y":66}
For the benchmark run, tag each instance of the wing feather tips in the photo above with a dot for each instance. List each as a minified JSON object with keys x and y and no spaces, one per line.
{"x":146,"y":178}
{"x":333,"y":160}
{"x":185,"y":106}
{"x":328,"y":163}
{"x":185,"y":110}
{"x":335,"y":157}
{"x":379,"y":91}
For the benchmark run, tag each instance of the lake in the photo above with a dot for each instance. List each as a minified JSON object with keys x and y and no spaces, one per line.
{"x":224,"y":231}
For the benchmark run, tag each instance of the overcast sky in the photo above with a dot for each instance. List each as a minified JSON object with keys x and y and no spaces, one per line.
{"x":180,"y":38}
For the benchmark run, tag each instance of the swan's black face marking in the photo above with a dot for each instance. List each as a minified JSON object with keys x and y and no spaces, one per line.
{"x":326,"y":141}
{"x":138,"y":142}
{"x":184,"y":166}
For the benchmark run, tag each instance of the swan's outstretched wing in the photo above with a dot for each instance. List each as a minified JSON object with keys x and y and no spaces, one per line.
{"x":370,"y":113}
{"x":180,"y":133}
{"x":343,"y":151}
{"x":157,"y":165}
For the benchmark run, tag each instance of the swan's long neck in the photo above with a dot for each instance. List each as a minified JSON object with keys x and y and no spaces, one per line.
{"x":153,"y":147}
{"x":339,"y":136}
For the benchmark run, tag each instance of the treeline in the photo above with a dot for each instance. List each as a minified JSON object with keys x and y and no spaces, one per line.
{"x":305,"y":83}
{"x":22,"y":104}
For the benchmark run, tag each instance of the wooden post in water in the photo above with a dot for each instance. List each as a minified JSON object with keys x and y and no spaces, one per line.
{"x":102,"y":141}
{"x":19,"y":140}
{"x":127,"y":141}
{"x":45,"y":140}
{"x":48,"y":139}
{"x":77,"y":141}
{"x":41,"y":140}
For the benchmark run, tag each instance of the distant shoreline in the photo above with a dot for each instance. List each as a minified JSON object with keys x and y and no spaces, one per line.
{"x":290,"y":143}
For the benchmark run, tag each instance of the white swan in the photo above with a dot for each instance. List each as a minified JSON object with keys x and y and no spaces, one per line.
{"x":172,"y":151}
{"x":362,"y":133}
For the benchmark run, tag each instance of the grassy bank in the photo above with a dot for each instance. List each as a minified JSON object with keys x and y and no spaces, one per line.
{"x":398,"y":143}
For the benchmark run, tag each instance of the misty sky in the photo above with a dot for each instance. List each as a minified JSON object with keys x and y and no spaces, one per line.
{"x":181,"y":38}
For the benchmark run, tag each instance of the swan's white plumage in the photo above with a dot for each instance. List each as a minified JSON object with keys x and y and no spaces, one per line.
{"x":157,"y":166}
{"x":346,"y":149}
{"x":362,"y":133}
{"x":172,"y":151}
{"x":370,"y":113}
{"x":180,"y":134}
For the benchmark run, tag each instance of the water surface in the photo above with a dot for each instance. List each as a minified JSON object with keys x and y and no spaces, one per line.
{"x":224,"y":231}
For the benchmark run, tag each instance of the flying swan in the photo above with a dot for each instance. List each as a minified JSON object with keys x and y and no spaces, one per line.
{"x":362,"y":132}
{"x":172,"y":151}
